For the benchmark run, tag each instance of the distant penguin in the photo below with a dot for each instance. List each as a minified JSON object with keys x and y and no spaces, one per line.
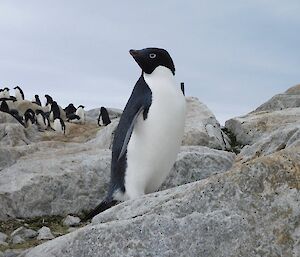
{"x":105,"y":117}
{"x":19,"y":93}
{"x":1,"y":93}
{"x":37,"y":100}
{"x":42,"y":120}
{"x":55,"y":110}
{"x":49,"y":101}
{"x":70,"y":109}
{"x":81,"y":113}
{"x":149,"y":133}
{"x":5,"y":108}
{"x":59,"y":126}
{"x":29,"y":117}
{"x":5,"y":93}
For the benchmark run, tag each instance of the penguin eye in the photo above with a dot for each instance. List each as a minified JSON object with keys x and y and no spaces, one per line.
{"x":152,"y":56}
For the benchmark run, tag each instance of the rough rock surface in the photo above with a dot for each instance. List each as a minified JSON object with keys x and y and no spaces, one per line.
{"x":71,"y":221}
{"x":289,"y":99}
{"x":251,"y":128}
{"x":251,"y":210}
{"x":3,"y":237}
{"x":44,"y":233}
{"x":197,"y":162}
{"x":202,"y":128}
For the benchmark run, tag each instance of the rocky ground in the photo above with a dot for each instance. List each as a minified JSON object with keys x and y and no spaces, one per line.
{"x":233,"y":191}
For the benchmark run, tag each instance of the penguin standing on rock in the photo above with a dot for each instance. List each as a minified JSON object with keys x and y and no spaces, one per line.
{"x":5,"y":93}
{"x":19,"y":93}
{"x":42,"y":120}
{"x":149,"y":133}
{"x":29,"y":118}
{"x":37,"y":100}
{"x":59,"y":124}
{"x":70,"y":109}
{"x":105,"y":117}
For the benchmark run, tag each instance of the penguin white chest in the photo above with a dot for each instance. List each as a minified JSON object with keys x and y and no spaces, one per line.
{"x":155,"y":142}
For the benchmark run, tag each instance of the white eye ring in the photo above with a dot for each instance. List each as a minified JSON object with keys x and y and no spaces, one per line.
{"x":152,"y":55}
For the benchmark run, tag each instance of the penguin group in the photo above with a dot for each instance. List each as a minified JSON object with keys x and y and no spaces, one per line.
{"x":51,"y":116}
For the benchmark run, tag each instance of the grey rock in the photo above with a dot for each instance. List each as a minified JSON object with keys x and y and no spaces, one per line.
{"x":251,"y":210}
{"x":198,"y":162}
{"x":44,"y":233}
{"x":7,"y":118}
{"x":289,"y":99}
{"x":17,"y":239}
{"x":253,"y":127}
{"x":279,"y":139}
{"x":105,"y":136}
{"x":3,"y":237}
{"x":71,"y":221}
{"x":3,"y":244}
{"x":54,"y":181}
{"x":1,"y":254}
{"x":202,"y":128}
{"x":71,"y":229}
{"x":12,"y":252}
{"x":15,"y":134}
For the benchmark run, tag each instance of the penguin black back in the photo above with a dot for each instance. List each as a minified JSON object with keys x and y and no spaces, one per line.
{"x":55,"y":110}
{"x":105,"y":116}
{"x":37,"y":100}
{"x":70,"y":109}
{"x":21,"y":91}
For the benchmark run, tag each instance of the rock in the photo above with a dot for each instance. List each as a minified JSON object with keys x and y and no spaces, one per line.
{"x":289,"y":99}
{"x":44,"y":233}
{"x":15,"y":134}
{"x":279,"y":139}
{"x":71,"y":229}
{"x":251,"y":210}
{"x":1,"y":254}
{"x":104,"y":138}
{"x":197,"y":162}
{"x":7,"y":118}
{"x":93,"y":114}
{"x":202,"y":128}
{"x":251,"y":128}
{"x":12,"y":252}
{"x":17,"y":239}
{"x":3,"y":244}
{"x":71,"y":221}
{"x":3,"y":237}
{"x":56,"y":180}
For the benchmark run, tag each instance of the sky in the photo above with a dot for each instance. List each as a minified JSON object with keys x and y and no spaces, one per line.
{"x":232,"y":55}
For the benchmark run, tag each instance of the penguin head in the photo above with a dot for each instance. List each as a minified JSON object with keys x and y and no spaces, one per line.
{"x":80,"y":106}
{"x":49,"y":99}
{"x":6,"y":89}
{"x":150,"y":58}
{"x":17,"y":87}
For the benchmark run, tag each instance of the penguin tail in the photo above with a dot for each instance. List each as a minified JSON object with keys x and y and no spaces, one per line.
{"x":104,"y":205}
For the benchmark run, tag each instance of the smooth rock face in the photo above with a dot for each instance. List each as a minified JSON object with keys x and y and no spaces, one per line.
{"x":251,"y":210}
{"x":54,"y":182}
{"x":197,"y":162}
{"x":251,"y":128}
{"x":3,"y":237}
{"x":289,"y":99}
{"x":44,"y":233}
{"x":71,"y":221}
{"x":202,"y":128}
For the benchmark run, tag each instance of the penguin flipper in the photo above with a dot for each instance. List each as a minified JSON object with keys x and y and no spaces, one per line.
{"x":129,"y":132}
{"x":104,"y":205}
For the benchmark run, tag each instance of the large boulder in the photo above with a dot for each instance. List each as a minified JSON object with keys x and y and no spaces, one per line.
{"x":251,"y":210}
{"x":288,"y":99}
{"x":197,"y":162}
{"x":202,"y":128}
{"x":252,"y":127}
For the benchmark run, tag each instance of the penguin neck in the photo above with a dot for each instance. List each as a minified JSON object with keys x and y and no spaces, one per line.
{"x":160,"y":72}
{"x":161,"y":79}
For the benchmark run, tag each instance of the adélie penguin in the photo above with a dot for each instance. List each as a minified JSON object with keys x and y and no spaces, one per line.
{"x":149,"y":133}
{"x":19,"y":93}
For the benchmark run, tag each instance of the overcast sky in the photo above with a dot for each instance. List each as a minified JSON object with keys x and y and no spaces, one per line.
{"x":232,"y":55}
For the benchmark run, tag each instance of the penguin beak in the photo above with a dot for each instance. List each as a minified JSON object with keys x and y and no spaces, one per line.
{"x":134,"y":53}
